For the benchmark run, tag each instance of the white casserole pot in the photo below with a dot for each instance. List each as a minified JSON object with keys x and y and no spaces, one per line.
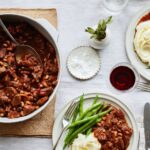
{"x":50,"y":33}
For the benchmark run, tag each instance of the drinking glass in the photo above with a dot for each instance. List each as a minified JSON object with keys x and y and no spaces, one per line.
{"x":114,"y":6}
{"x":123,"y":64}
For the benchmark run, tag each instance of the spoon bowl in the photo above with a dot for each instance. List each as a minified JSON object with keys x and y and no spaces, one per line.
{"x":22,"y":50}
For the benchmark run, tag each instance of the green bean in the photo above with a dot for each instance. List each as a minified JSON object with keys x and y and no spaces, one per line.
{"x":73,"y":119}
{"x":71,"y":131}
{"x":75,"y":113}
{"x":95,"y":100}
{"x":93,"y":112}
{"x":81,"y":105}
{"x":89,"y":110}
{"x":105,"y":106}
{"x":98,"y":120}
{"x":88,"y":131}
{"x":79,"y":122}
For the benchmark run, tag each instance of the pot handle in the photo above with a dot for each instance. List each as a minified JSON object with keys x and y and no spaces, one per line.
{"x":49,"y":27}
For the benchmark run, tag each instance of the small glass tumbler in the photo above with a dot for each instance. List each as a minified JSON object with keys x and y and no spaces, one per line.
{"x":125,"y":76}
{"x":114,"y":7}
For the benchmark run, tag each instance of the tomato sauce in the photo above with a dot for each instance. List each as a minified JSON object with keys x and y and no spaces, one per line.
{"x":145,"y":18}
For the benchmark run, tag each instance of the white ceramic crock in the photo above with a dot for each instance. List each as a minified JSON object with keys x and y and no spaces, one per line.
{"x":50,"y":33}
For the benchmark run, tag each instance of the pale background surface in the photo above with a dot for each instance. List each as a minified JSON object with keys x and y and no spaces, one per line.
{"x":73,"y":17}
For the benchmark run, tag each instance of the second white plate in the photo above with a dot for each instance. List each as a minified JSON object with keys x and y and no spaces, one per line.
{"x":134,"y":59}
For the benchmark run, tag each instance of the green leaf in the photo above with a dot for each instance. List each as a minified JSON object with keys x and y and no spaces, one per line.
{"x":109,"y":20}
{"x":90,"y":30}
{"x":99,"y":27}
{"x":103,"y":25}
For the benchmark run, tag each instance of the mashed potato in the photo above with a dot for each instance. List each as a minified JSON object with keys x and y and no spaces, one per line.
{"x":86,"y":143}
{"x":142,"y":41}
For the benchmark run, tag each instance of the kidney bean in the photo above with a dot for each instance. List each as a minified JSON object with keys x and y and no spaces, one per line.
{"x":42,"y":100}
{"x":3,"y":100}
{"x":10,"y":59}
{"x":2,"y":70}
{"x":16,"y":100}
{"x":27,"y":109}
{"x":46,"y":91}
{"x":2,"y":53}
{"x":13,"y":114}
{"x":2,"y":110}
{"x":10,"y":91}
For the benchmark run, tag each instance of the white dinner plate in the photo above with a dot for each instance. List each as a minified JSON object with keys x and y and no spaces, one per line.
{"x":88,"y":101}
{"x":134,"y":59}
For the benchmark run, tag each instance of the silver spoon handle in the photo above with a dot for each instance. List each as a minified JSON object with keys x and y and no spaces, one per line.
{"x":8,"y":33}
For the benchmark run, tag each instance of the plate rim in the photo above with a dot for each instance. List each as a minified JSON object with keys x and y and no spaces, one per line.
{"x":128,"y":37}
{"x":112,"y":99}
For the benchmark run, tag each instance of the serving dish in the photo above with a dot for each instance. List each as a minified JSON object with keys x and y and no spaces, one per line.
{"x":88,"y":100}
{"x":49,"y":32}
{"x":133,"y":57}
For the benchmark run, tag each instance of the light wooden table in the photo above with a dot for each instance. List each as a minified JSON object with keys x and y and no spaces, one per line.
{"x":73,"y":17}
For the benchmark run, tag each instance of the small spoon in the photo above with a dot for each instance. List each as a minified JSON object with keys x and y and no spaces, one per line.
{"x":21,"y":49}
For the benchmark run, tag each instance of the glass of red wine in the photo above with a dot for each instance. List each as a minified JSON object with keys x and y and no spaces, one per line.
{"x":123,"y":77}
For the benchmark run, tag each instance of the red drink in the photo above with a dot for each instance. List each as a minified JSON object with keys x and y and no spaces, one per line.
{"x":122,"y":78}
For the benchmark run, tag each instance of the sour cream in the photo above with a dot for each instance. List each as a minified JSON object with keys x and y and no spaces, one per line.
{"x":86,"y":143}
{"x":142,"y":41}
